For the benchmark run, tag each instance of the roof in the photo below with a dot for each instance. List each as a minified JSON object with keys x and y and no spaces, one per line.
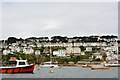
{"x":13,"y":59}
{"x":96,"y":54}
{"x":21,"y":60}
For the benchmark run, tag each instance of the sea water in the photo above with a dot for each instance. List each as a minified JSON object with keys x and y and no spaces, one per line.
{"x":66,"y":72}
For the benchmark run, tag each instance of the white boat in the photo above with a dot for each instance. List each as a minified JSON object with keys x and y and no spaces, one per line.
{"x":112,"y":65}
{"x":48,"y":65}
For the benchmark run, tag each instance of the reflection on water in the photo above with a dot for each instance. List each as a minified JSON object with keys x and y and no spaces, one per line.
{"x":67,"y":72}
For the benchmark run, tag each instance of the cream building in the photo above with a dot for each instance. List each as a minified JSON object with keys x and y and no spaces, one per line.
{"x":73,"y":50}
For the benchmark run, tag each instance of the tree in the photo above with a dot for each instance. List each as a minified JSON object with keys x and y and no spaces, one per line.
{"x":94,"y":49}
{"x":104,"y":56}
{"x":82,"y":48}
{"x":94,"y":57}
{"x":58,"y":39}
{"x":11,"y":40}
{"x":42,"y":49}
{"x":98,"y":59}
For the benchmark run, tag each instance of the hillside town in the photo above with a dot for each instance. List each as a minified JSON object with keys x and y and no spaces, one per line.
{"x":62,"y":50}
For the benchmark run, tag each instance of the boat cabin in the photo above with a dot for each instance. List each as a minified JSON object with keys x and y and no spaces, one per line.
{"x":15,"y":62}
{"x":18,"y":63}
{"x":21,"y":63}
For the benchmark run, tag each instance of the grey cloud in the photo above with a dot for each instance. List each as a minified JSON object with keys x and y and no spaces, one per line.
{"x":47,"y":19}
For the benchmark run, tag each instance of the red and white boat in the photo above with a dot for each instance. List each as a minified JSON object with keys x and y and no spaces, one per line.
{"x":21,"y":67}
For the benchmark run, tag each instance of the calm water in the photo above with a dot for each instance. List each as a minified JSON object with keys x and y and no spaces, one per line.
{"x":67,"y":72}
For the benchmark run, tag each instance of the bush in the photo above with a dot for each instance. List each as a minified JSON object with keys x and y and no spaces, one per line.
{"x":98,"y":59}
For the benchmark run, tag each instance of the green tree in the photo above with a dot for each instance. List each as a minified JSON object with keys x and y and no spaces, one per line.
{"x":82,"y":48}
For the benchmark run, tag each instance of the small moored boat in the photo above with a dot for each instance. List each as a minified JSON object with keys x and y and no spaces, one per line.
{"x":86,"y":66}
{"x":99,"y":67}
{"x":48,"y":65}
{"x":112,"y":65}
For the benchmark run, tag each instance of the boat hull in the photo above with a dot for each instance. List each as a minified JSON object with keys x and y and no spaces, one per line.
{"x":24,"y":69}
{"x":99,"y":68}
{"x":86,"y":66}
{"x":48,"y":66}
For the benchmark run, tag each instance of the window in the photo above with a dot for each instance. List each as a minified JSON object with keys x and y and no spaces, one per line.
{"x":12,"y":63}
{"x":21,"y":63}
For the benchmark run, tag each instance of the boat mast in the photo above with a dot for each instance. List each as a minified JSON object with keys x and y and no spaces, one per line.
{"x":50,"y":53}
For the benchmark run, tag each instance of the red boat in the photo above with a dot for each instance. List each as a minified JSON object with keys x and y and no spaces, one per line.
{"x":21,"y":67}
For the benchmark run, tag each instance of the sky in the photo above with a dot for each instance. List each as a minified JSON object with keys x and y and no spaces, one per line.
{"x":36,"y":19}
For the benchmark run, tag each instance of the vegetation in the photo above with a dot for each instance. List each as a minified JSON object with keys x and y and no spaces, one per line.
{"x":19,"y":55}
{"x":104,"y":56}
{"x":62,"y":60}
{"x":57,"y":48}
{"x":95,"y":49}
{"x":57,"y":39}
{"x":45,"y":56}
{"x":82,"y":48}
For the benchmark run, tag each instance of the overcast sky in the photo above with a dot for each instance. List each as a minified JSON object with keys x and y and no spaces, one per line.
{"x":27,"y":19}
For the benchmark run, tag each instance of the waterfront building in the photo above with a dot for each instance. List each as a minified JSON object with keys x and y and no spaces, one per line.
{"x":97,"y":56}
{"x":73,"y":50}
{"x":88,"y":49}
{"x":28,"y":50}
{"x":60,"y":53}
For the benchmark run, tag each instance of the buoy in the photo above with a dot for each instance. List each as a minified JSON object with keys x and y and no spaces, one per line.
{"x":51,"y":71}
{"x":60,"y":67}
{"x":113,"y":69}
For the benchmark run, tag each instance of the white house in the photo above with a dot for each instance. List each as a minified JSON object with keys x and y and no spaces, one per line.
{"x":97,"y":55}
{"x":73,"y":50}
{"x":17,"y":49}
{"x":89,"y":49}
{"x":95,"y":44}
{"x":37,"y":52}
{"x":5,"y":52}
{"x":82,"y":53}
{"x":59,"y":53}
{"x":28,"y":50}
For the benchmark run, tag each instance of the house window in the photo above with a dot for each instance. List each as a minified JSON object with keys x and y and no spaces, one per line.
{"x":21,"y":63}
